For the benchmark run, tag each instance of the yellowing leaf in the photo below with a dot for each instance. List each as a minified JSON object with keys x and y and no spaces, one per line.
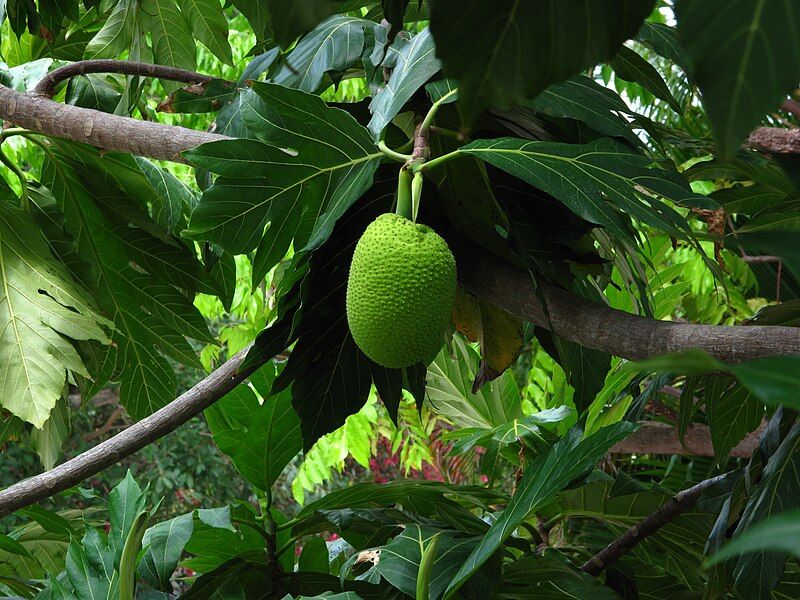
{"x":499,"y":334}
{"x":40,"y":308}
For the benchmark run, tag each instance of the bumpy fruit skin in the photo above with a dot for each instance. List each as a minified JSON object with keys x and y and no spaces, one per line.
{"x":400,"y":292}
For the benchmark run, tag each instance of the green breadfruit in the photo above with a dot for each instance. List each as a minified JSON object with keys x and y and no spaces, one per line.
{"x":400,"y":292}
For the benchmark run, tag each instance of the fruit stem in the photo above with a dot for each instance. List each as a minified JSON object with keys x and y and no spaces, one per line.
{"x":404,"y":194}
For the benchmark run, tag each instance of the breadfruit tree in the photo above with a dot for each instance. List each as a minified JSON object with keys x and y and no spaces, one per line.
{"x":426,"y":190}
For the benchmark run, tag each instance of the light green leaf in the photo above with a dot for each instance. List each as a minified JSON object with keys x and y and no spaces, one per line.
{"x":98,"y":212}
{"x":545,"y":476}
{"x":449,"y":390}
{"x":40,"y":308}
{"x":260,"y":438}
{"x":209,"y":26}
{"x":745,"y":57}
{"x":47,"y":441}
{"x":523,"y":47}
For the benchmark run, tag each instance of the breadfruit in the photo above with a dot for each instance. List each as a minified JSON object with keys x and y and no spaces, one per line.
{"x":400,"y":292}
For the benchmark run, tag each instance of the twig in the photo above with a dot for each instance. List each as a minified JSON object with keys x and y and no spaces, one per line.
{"x":678,"y":504}
{"x":137,"y":436}
{"x":47,"y":86}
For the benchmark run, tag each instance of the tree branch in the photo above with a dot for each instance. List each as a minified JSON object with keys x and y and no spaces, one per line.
{"x":47,"y":86}
{"x":104,"y":130}
{"x":601,"y":327}
{"x":653,"y":437}
{"x":680,"y":503}
{"x":131,"y":440}
{"x":581,"y":321}
{"x":774,"y":140}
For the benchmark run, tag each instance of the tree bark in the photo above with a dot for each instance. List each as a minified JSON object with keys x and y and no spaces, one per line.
{"x":47,"y":86}
{"x":104,"y":130}
{"x":653,"y":437}
{"x":601,"y":327}
{"x":137,"y":436}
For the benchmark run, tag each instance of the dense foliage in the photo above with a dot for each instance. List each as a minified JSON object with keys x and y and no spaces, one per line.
{"x":598,"y":148}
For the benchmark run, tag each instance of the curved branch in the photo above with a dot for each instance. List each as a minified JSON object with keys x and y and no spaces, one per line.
{"x":604,"y":328}
{"x":189,"y":404}
{"x":576,"y":319}
{"x":47,"y":86}
{"x":104,"y":130}
{"x":680,"y":503}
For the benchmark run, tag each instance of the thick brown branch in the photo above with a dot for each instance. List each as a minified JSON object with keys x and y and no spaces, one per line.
{"x":107,"y":131}
{"x":659,"y":438}
{"x":774,"y":140}
{"x":680,"y":503}
{"x":47,"y":86}
{"x":603,"y":328}
{"x":125,"y":443}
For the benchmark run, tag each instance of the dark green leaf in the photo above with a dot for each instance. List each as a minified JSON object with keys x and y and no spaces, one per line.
{"x":757,"y":573}
{"x":125,"y":502}
{"x":49,"y":520}
{"x":628,"y":65}
{"x":586,"y":100}
{"x":663,"y":40}
{"x":400,"y":560}
{"x":334,"y":45}
{"x":292,"y":19}
{"x":595,"y":181}
{"x":199,"y":98}
{"x":300,"y":192}
{"x":780,"y":533}
{"x":90,"y":567}
{"x":539,"y":578}
{"x":414,"y":494}
{"x":525,"y":46}
{"x":209,"y":25}
{"x":545,"y":476}
{"x":745,"y":57}
{"x":8,"y":544}
{"x":314,"y":556}
{"x":731,"y":415}
{"x":92,"y":91}
{"x":449,"y":390}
